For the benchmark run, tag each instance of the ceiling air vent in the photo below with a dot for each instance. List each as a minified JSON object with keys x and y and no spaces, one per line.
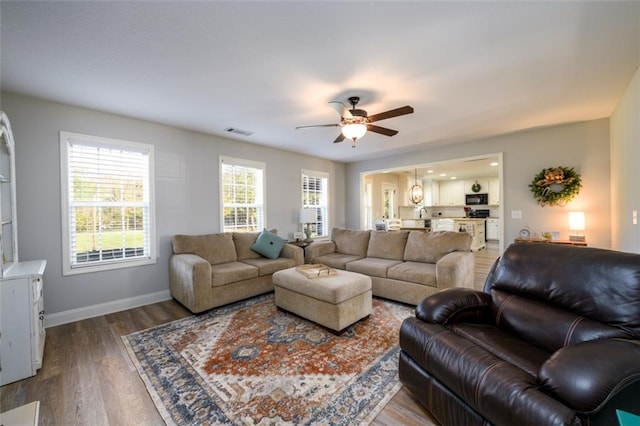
{"x":238,"y":131}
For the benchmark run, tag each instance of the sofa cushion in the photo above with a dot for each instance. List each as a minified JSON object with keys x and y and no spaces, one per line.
{"x":387,"y":244}
{"x":269,"y":266}
{"x":415,"y":272}
{"x":268,"y":244}
{"x":548,"y":326}
{"x":244,"y":241}
{"x":336,"y":260}
{"x":429,"y":247}
{"x":372,"y":266}
{"x":227,"y":273}
{"x":606,"y":289}
{"x":214,"y":248}
{"x":349,"y":241}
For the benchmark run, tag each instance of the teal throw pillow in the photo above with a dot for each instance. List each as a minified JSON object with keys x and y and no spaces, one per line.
{"x":268,"y":244}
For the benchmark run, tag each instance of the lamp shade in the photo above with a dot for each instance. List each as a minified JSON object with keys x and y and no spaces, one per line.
{"x":354,"y":131}
{"x":308,"y":215}
{"x":576,"y":221}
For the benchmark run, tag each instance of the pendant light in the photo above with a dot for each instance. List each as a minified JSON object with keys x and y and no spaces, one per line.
{"x":416,"y":194}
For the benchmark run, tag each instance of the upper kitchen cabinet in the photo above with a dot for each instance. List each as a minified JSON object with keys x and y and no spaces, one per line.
{"x":452,"y":193}
{"x":494,"y":192}
{"x":481,"y":188}
{"x":431,"y":190}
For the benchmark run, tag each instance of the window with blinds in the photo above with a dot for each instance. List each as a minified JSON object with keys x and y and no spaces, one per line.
{"x":315,"y":194}
{"x":107,"y":206}
{"x":242,"y":192}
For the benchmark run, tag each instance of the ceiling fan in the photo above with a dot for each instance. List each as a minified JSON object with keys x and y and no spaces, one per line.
{"x":355,"y":122}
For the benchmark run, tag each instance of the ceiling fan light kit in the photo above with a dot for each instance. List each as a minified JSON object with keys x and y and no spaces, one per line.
{"x":355,"y":122}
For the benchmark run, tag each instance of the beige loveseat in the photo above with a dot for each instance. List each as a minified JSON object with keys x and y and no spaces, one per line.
{"x":403,"y":266}
{"x":212,"y":270}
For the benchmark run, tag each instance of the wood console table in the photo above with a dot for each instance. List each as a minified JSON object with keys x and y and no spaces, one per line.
{"x":543,"y":241}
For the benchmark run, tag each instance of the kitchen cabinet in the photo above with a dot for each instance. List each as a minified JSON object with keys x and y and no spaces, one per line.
{"x":431,"y":191}
{"x":452,"y":193}
{"x":494,"y":192}
{"x":493,"y":229}
{"x":484,"y":186}
{"x":475,"y":228}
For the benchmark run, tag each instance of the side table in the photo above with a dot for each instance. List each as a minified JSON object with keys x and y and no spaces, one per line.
{"x":303,"y":244}
{"x":543,"y":241}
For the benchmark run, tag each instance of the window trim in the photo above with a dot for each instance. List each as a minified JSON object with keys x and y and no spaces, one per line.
{"x":320,"y":175}
{"x":223,"y":159}
{"x":107,"y":265}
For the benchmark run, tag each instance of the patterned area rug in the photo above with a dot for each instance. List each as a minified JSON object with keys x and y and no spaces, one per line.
{"x":251,"y":364}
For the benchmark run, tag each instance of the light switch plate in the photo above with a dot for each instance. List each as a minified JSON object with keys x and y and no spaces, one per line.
{"x":516,"y":214}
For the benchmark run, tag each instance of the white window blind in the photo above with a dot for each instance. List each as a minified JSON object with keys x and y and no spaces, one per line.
{"x":242,"y":192}
{"x":315,"y":194}
{"x":107,"y":203}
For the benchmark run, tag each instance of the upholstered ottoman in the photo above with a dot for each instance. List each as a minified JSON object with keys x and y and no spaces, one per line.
{"x":334,"y":301}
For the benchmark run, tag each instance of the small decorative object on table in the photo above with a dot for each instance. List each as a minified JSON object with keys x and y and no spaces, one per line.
{"x":467,"y":210}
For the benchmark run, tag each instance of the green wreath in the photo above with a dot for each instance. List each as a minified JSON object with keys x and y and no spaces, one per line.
{"x":555,"y":186}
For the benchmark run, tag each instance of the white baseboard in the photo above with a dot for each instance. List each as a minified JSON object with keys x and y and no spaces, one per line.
{"x":86,"y":312}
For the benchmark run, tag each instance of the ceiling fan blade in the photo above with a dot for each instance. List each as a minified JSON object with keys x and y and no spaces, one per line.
{"x":318,"y":125}
{"x":340,"y":138}
{"x":391,"y":113}
{"x":381,"y":130}
{"x":341,"y":109}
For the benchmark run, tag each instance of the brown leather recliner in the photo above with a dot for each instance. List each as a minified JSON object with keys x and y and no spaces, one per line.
{"x":553,"y":339}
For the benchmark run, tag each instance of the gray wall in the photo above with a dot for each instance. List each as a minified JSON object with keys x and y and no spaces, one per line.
{"x":625,"y":169}
{"x":584,"y":146}
{"x":186,"y":193}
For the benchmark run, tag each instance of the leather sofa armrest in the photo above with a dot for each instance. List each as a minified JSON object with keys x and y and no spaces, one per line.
{"x":190,"y":280}
{"x":454,"y":305}
{"x":588,"y":374}
{"x":319,"y":248}
{"x":455,"y":269}
{"x":294,"y":252}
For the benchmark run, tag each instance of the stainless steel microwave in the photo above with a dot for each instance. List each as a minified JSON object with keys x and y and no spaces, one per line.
{"x":476,"y":199}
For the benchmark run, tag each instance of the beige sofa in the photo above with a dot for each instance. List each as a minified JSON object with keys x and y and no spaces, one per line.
{"x":212,"y":270}
{"x":403,"y":266}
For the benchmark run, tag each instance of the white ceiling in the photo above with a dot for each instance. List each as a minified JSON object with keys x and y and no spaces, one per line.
{"x":470,"y":69}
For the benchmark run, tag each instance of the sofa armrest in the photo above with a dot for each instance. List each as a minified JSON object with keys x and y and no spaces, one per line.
{"x":454,"y":305}
{"x":588,"y":374}
{"x":294,"y":252}
{"x":319,"y":248}
{"x":190,"y":280}
{"x":455,"y":269}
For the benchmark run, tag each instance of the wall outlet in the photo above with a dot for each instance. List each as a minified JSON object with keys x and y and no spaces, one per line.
{"x":634,"y":217}
{"x":516,"y":214}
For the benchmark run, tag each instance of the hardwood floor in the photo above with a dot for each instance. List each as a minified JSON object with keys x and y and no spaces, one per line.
{"x":87,"y":377}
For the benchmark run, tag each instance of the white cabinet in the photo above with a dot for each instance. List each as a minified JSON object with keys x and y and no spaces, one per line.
{"x":475,"y":228}
{"x":494,"y":192}
{"x":22,"y":321}
{"x":431,"y":193}
{"x":452,"y":193}
{"x":493,"y":229}
{"x":8,"y":225}
{"x":22,"y":331}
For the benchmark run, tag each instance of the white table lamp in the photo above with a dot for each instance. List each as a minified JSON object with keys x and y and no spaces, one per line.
{"x":308,"y":216}
{"x":576,"y":224}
